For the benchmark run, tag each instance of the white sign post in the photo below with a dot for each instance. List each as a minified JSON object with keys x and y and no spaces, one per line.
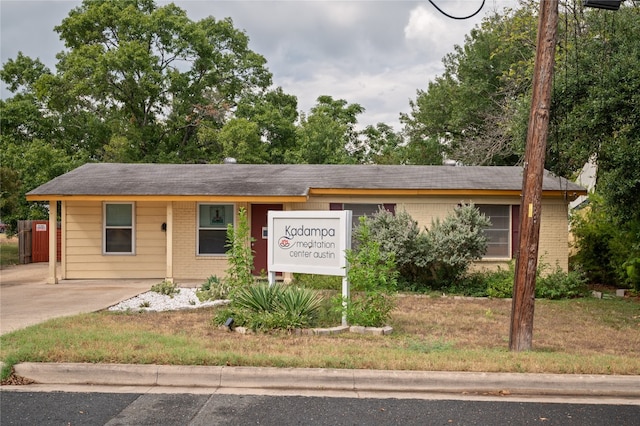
{"x":310,"y":242}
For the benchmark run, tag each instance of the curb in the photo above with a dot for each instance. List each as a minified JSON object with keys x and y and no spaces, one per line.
{"x":330,"y":379}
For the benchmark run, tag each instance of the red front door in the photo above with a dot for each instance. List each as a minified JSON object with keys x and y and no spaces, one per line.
{"x":259,"y":215}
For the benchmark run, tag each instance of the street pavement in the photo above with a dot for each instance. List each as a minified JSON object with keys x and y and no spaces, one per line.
{"x":189,"y":409}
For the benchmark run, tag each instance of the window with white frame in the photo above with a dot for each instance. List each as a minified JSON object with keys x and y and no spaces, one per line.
{"x":119,"y":228}
{"x":499,"y":233}
{"x":213,"y":220}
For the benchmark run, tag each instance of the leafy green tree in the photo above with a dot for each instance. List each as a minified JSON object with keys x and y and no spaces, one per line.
{"x":22,"y":73}
{"x":379,"y":144}
{"x":141,"y":80}
{"x":595,"y":105}
{"x":328,"y":134}
{"x":276,"y":114}
{"x":421,"y":151}
{"x":470,"y":108}
{"x":9,"y":197}
{"x":24,"y":167}
{"x":240,"y":139}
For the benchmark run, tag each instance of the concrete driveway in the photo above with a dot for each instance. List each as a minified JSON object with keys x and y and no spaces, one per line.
{"x":26,"y":298}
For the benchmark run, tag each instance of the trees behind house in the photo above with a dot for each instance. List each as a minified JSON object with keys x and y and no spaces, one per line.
{"x":478,"y":111}
{"x":138,"y":82}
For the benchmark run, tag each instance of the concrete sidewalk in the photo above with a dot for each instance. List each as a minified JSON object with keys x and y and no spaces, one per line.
{"x":26,"y":298}
{"x":321,"y":379}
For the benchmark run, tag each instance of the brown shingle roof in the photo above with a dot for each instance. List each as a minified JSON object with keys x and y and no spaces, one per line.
{"x":283,"y":179}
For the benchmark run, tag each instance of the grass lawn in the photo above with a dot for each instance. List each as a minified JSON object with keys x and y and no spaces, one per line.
{"x":582,"y":336}
{"x":9,"y":254}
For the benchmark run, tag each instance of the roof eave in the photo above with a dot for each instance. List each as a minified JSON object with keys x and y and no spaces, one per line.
{"x":569,"y":194}
{"x":166,"y":198}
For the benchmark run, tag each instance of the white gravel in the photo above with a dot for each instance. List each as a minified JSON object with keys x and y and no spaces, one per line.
{"x":153,"y":301}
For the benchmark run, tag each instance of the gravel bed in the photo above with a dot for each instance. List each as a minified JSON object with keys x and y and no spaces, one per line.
{"x":153,"y":301}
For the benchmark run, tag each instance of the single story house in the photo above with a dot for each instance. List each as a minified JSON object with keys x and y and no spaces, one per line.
{"x":168,"y":221}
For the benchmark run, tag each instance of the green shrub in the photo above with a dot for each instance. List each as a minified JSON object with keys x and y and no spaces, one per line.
{"x":263,"y":307}
{"x":258,"y":298}
{"x":500,"y":282}
{"x":318,"y":282}
{"x":298,"y":302}
{"x":167,"y":288}
{"x":561,"y":285}
{"x":373,"y":280}
{"x":434,"y":258}
{"x":239,"y":253}
{"x":213,"y":289}
{"x":473,"y":284}
{"x":632,"y":268}
{"x":594,"y":230}
{"x":371,"y":309}
{"x":555,"y":285}
{"x":606,"y":247}
{"x":399,"y":236}
{"x":455,"y":242}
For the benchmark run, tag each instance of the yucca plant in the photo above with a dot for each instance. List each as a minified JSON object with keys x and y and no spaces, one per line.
{"x":258,"y":297}
{"x":264,"y":307}
{"x":300,"y":302}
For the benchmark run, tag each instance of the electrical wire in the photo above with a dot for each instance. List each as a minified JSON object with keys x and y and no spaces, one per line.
{"x":457,"y":17}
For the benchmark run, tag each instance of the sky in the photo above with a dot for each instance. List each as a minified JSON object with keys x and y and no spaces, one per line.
{"x":377,"y":53}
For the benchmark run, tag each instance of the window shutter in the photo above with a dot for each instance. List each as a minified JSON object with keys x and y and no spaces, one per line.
{"x":515,"y":230}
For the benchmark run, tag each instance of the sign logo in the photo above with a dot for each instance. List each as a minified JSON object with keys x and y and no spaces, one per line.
{"x":284,"y":243}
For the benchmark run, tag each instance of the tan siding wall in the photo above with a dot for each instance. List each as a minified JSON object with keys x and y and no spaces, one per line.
{"x":554,"y":246}
{"x":554,"y":235}
{"x":311,"y":205}
{"x":84,"y":257}
{"x":187,"y":265}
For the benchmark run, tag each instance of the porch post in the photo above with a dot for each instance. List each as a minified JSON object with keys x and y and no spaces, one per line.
{"x":169,"y":235}
{"x":53,"y":242}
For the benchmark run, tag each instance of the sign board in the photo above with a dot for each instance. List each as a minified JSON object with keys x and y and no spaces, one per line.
{"x":41,"y":227}
{"x":311,"y":242}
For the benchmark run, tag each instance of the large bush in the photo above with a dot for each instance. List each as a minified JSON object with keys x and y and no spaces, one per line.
{"x":607,"y":249}
{"x":399,"y":237}
{"x":455,"y":242}
{"x":432,"y":258}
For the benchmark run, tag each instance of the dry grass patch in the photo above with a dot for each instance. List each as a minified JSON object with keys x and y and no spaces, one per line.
{"x":580,"y":336}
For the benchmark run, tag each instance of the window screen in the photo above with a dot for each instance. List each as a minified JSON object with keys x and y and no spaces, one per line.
{"x":500,"y":230}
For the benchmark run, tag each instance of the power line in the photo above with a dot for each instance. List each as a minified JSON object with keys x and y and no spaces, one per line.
{"x":458,"y":17}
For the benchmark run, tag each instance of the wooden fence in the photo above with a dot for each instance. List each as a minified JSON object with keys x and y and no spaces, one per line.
{"x":30,"y":238}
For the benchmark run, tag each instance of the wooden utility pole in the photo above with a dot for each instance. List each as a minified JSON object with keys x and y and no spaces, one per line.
{"x":521,"y":332}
